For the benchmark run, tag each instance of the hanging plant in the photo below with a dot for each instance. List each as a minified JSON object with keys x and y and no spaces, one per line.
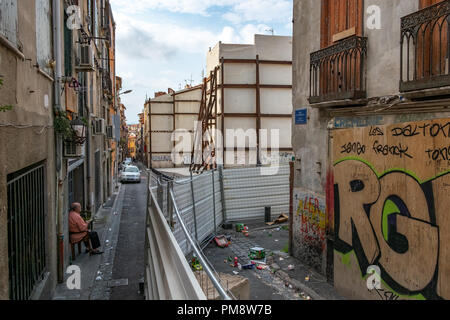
{"x":62,"y":126}
{"x":7,"y":107}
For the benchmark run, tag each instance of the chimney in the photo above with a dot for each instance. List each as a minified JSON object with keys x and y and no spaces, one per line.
{"x":159,"y":94}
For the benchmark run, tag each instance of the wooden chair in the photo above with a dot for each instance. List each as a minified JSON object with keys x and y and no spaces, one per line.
{"x":72,"y":247}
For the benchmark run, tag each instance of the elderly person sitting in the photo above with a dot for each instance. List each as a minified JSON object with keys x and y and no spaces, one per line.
{"x":79,"y":229}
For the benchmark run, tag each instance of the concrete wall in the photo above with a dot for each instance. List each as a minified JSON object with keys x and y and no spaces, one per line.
{"x":322,"y":236}
{"x":30,"y":94}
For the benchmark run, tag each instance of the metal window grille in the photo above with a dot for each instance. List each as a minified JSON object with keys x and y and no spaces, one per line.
{"x":26,"y":231}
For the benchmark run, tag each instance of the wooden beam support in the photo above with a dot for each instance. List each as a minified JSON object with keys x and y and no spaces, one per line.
{"x":258,"y":111}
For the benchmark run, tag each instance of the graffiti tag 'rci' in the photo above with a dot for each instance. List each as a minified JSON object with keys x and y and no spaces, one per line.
{"x":397,"y":223}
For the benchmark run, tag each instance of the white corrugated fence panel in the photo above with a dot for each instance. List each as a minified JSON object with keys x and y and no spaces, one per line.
{"x":248,"y":191}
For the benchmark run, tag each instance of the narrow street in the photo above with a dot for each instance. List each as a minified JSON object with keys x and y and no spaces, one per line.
{"x":128,"y":269}
{"x":276,"y":150}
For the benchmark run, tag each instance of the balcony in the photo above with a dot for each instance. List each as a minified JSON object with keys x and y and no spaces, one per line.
{"x":425,"y":48}
{"x":338,"y":72}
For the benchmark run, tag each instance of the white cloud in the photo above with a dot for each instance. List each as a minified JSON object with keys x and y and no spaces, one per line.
{"x":239,"y":11}
{"x":155,"y":55}
{"x":260,"y":10}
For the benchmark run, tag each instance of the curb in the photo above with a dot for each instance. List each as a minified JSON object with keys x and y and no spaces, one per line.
{"x":297,"y":285}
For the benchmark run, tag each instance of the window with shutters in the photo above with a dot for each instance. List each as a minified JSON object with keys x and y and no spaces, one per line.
{"x":8,"y":20}
{"x":338,"y":69}
{"x":425,"y":46}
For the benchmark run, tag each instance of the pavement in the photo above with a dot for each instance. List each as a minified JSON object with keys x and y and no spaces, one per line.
{"x":120,"y":224}
{"x":286,"y":278}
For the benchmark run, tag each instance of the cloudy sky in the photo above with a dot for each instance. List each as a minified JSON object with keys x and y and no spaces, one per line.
{"x":163,"y":43}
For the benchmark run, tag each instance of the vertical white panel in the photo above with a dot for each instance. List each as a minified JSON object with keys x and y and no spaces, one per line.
{"x":8,"y":20}
{"x":43,"y":34}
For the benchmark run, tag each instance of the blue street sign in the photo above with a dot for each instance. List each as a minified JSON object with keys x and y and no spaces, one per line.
{"x":301,"y":116}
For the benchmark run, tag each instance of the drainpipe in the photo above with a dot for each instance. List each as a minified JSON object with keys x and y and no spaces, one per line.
{"x":56,"y":6}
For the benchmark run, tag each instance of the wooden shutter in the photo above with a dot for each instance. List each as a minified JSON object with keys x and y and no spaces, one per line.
{"x":43,"y":34}
{"x":432,"y":45}
{"x":8,"y":20}
{"x":68,"y":49}
{"x":427,"y":3}
{"x":340,"y":18}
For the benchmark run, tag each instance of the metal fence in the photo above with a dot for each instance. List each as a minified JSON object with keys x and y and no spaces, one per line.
{"x":174,"y":231}
{"x":248,"y":191}
{"x":26,"y":231}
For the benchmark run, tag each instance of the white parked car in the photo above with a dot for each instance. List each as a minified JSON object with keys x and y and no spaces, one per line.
{"x":131,"y":174}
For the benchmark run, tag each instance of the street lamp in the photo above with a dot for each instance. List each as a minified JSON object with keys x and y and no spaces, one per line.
{"x":126,"y":92}
{"x":79,"y":129}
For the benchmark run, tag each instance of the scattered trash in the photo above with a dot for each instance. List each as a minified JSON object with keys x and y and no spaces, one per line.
{"x":235,"y":273}
{"x":235,"y":262}
{"x":98,"y":278}
{"x":307,"y":278}
{"x":221,"y":241}
{"x":195,"y":264}
{"x":281,"y":259}
{"x":276,"y":240}
{"x":259,"y":267}
{"x":257,"y":253}
{"x":239,"y":227}
{"x":109,"y":229}
{"x":248,"y":266}
{"x":290,"y":286}
{"x":258,"y":262}
{"x":239,"y":266}
{"x":245,"y":231}
{"x":290,"y":267}
{"x":107,"y":241}
{"x":278,"y":229}
{"x":99,"y":272}
{"x":282,"y":219}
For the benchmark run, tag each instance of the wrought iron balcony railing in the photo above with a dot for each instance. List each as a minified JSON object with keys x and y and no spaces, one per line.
{"x":338,"y":72}
{"x":425,"y":48}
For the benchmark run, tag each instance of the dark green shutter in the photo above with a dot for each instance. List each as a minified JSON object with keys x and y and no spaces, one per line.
{"x":67,"y":49}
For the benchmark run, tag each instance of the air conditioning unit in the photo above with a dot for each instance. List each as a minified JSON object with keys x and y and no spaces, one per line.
{"x":72,"y":150}
{"x":100,"y":127}
{"x":110,"y":132}
{"x":86,"y":59}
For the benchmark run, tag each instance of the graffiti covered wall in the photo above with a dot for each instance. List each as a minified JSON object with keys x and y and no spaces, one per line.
{"x":392,"y":210}
{"x":310,"y":223}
